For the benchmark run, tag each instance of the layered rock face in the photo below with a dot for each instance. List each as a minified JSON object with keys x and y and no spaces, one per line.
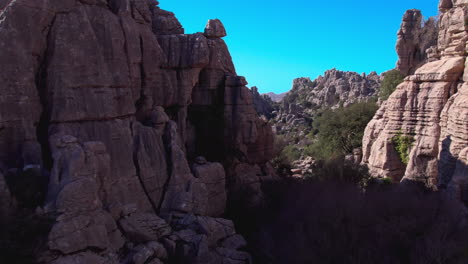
{"x":117,"y":108}
{"x":415,"y":39}
{"x":430,"y":108}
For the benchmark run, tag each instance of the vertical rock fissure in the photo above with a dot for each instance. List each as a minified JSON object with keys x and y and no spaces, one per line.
{"x":136,"y":139}
{"x":136,"y":144}
{"x":139,"y":104}
{"x":41,"y":86}
{"x":169,"y":163}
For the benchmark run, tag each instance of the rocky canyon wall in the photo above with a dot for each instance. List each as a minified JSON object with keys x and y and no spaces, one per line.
{"x":139,"y":133}
{"x":430,"y":109}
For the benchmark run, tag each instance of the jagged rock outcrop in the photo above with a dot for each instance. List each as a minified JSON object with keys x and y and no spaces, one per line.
{"x":115,"y":103}
{"x":415,"y":37}
{"x":430,"y":109}
{"x":334,"y":89}
{"x":263,"y":104}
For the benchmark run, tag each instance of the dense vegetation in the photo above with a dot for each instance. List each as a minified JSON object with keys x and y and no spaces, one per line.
{"x":391,"y":80}
{"x":338,"y":132}
{"x":402,"y":145}
{"x":333,"y":133}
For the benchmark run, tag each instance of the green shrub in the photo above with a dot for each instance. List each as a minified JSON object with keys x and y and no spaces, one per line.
{"x":391,"y":80}
{"x":284,"y":154}
{"x":337,"y":170}
{"x":337,"y":132}
{"x":291,"y":153}
{"x":402,"y":145}
{"x":387,"y":181}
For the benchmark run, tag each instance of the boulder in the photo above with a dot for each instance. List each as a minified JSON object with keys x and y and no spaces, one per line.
{"x":144,"y":227}
{"x":215,"y":29}
{"x":212,"y":175}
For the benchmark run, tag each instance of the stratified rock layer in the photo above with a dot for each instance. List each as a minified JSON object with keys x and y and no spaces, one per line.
{"x":430,"y":108}
{"x":114,"y":102}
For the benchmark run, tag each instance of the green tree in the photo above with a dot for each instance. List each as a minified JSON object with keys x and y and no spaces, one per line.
{"x":339,"y":131}
{"x":391,"y":80}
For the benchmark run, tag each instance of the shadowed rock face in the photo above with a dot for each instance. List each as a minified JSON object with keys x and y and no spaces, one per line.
{"x":415,"y":37}
{"x":263,"y":104}
{"x":119,"y":102}
{"x":430,"y":107}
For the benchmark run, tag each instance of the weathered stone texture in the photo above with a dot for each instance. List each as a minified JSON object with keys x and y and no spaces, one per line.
{"x":429,"y":107}
{"x":415,"y":37}
{"x":114,"y":102}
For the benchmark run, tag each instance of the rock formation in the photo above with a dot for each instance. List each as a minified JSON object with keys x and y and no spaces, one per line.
{"x":115,"y":107}
{"x":430,"y":108}
{"x":334,"y":89}
{"x":263,"y":103}
{"x":415,"y":37}
{"x":276,"y":97}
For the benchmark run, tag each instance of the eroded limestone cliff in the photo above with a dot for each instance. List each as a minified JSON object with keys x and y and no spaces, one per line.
{"x":429,"y":108}
{"x":415,"y":39}
{"x":332,"y":90}
{"x":141,"y":134}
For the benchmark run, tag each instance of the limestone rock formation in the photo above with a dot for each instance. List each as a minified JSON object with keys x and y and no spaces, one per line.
{"x":215,"y":29}
{"x":111,"y":103}
{"x":415,"y":37}
{"x":334,"y":89}
{"x":430,"y":109}
{"x":263,"y":104}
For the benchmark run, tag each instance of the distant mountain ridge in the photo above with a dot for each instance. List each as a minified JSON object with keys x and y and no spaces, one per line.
{"x":276,"y":97}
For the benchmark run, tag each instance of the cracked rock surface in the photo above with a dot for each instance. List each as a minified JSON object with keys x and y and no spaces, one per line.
{"x":430,"y":107}
{"x":111,"y":104}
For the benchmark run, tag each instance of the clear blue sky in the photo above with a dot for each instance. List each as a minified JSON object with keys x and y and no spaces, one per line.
{"x":272,"y":42}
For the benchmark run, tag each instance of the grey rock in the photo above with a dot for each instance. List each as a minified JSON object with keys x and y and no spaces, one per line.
{"x":234,"y":242}
{"x":143,"y":227}
{"x":165,"y":23}
{"x":414,"y":38}
{"x":215,"y":29}
{"x":81,"y":258}
{"x":213,"y":177}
